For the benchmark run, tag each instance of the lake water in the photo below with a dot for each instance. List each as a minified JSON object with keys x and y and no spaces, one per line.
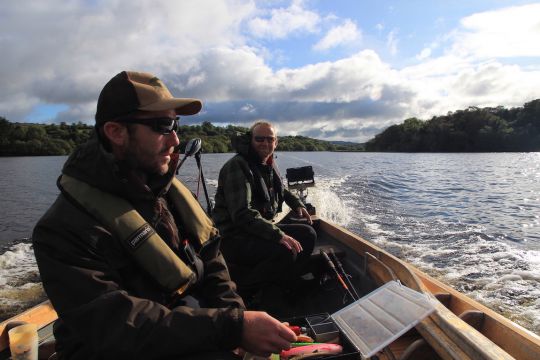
{"x":470,"y":220}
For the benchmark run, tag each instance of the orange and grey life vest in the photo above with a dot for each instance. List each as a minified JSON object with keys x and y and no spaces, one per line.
{"x":147,"y":248}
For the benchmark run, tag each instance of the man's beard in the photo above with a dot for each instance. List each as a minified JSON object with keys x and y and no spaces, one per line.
{"x":136,"y":160}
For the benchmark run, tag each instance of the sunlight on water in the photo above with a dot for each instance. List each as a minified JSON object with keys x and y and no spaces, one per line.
{"x":469,"y":220}
{"x":466,"y":257}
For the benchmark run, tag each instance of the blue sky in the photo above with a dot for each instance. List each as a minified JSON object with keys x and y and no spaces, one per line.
{"x":334,"y":70}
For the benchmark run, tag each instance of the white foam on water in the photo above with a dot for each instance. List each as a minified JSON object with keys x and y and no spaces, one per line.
{"x":17,"y":262}
{"x":20,"y":285}
{"x":509,"y":277}
{"x":212,"y":182}
{"x":328,"y":203}
{"x":368,"y":217}
{"x":533,"y":257}
{"x":374,"y":228}
{"x":330,"y":207}
{"x":529,"y":275}
{"x":377,"y":229}
{"x":500,"y":274}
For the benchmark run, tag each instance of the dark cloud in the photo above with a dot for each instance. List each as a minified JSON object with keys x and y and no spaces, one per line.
{"x":358,"y":134}
{"x":313,"y":119}
{"x":67,"y":89}
{"x":286,"y":111}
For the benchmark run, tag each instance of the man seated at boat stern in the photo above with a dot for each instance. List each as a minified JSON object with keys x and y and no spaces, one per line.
{"x":127,"y":256}
{"x":269,"y":257}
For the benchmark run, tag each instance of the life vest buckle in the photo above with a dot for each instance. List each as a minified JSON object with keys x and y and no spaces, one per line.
{"x":193,"y":259}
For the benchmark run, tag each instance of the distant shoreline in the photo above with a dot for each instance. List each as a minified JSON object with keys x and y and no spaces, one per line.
{"x":473,"y":130}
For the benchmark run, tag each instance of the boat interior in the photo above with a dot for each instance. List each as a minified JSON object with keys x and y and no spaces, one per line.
{"x":326,"y":295}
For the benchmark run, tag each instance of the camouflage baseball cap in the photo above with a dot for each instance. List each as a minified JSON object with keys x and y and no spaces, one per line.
{"x":130,"y":91}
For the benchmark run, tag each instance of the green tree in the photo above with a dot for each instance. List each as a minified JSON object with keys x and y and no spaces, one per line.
{"x":472,"y":129}
{"x":36,"y":133}
{"x":54,"y":139}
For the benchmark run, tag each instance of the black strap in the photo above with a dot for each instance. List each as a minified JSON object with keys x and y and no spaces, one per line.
{"x":193,"y":259}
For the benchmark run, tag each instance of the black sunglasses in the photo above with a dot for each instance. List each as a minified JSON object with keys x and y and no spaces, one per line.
{"x":161,"y":125}
{"x":270,"y":139}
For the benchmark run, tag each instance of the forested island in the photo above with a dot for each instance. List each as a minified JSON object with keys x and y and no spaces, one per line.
{"x":470,"y":130}
{"x":26,"y":139}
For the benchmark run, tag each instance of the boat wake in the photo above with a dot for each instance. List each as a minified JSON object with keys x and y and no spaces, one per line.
{"x":20,"y":284}
{"x":499,"y":273}
{"x":328,"y":203}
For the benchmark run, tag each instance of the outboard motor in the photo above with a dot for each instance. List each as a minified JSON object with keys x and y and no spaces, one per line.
{"x":300,"y":179}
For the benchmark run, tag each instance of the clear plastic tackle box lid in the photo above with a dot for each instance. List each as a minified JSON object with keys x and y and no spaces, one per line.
{"x":380,"y":317}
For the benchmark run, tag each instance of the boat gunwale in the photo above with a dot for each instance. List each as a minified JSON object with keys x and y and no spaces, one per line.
{"x":42,"y":315}
{"x":476,"y":343}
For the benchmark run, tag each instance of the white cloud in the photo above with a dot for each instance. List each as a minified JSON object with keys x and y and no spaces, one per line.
{"x":339,"y":35}
{"x":392,"y":42}
{"x":63,"y":54}
{"x":323,"y":99}
{"x":229,"y":73}
{"x":424,"y":54}
{"x":248,"y":108}
{"x":451,"y":83}
{"x":508,"y":32}
{"x":361,"y":76}
{"x":284,"y":21}
{"x":240,"y":74}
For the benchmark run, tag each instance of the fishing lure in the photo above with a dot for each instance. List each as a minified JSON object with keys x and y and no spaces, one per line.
{"x":302,"y":352}
{"x":304,"y":338}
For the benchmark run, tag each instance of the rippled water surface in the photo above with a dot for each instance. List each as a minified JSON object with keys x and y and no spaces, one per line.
{"x":471,"y":220}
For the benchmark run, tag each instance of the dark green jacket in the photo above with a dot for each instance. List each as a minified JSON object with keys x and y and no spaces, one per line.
{"x":108,"y":307}
{"x":239,"y":208}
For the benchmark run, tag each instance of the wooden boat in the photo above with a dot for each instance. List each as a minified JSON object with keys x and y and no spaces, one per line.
{"x":460,"y":328}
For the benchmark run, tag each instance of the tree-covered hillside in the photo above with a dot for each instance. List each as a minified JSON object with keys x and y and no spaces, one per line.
{"x":470,"y":130}
{"x":25,"y":139}
{"x":38,"y":139}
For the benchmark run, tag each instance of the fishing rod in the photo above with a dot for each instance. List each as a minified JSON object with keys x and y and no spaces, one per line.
{"x":194,"y":148}
{"x":201,"y":175}
{"x":340,"y":279}
{"x":344,"y":273}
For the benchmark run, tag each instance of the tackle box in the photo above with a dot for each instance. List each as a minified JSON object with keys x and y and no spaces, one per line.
{"x":366,"y":326}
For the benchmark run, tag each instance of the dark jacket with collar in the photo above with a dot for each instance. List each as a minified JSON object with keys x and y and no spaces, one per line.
{"x":242,"y":209}
{"x":108,"y":307}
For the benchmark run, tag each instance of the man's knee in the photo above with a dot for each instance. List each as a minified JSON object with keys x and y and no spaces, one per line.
{"x":283,"y":256}
{"x":311,"y":233}
{"x":307,"y":238}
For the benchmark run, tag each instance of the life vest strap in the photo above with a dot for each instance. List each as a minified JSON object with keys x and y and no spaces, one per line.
{"x":137,"y":236}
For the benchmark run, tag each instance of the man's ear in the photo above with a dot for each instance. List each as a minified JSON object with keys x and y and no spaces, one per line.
{"x":116,"y":133}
